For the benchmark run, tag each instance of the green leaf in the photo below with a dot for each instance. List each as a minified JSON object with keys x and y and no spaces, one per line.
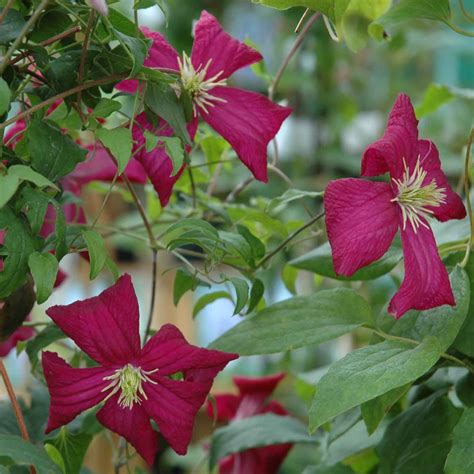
{"x":183,"y":282}
{"x":35,"y":202}
{"x":336,"y":469}
{"x":174,"y":149}
{"x":256,"y":294}
{"x":55,"y":455}
{"x":434,"y":97}
{"x":320,"y":261}
{"x":374,"y":411}
{"x":151,"y":140}
{"x":163,"y":101}
{"x":5,"y":95}
{"x":19,"y":244}
{"x":121,"y":23}
{"x":465,"y":389}
{"x":43,"y":339}
{"x":137,"y":47}
{"x":53,"y":154}
{"x":418,"y":440}
{"x":297,"y":322}
{"x":25,"y":173}
{"x":8,"y":186}
{"x":72,"y":447}
{"x":443,"y":322}
{"x":11,"y":25}
{"x":26,"y":454}
{"x":256,"y":246}
{"x":369,"y":372}
{"x":119,"y":141}
{"x":105,"y":107}
{"x":405,"y":10}
{"x":207,"y":299}
{"x":464,"y":340}
{"x":241,"y":292}
{"x":60,"y":231}
{"x":280,"y":203}
{"x":97,"y":252}
{"x":255,"y":432}
{"x":44,"y":269}
{"x":461,"y":457}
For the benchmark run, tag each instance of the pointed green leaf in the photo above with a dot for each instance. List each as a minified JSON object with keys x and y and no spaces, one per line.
{"x":241,"y":292}
{"x":175,"y":150}
{"x":97,"y":252}
{"x":207,"y":299}
{"x":119,"y":142}
{"x":44,"y":269}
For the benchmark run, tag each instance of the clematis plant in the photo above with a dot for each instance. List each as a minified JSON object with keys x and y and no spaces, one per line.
{"x":247,"y":120}
{"x":252,"y":400}
{"x":135,"y":384}
{"x":362,"y":217}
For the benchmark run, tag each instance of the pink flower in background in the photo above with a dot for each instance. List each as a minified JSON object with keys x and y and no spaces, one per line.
{"x":135,"y":383}
{"x":100,"y":6}
{"x":21,"y":334}
{"x":252,"y":400}
{"x":247,"y":120}
{"x":362,"y":217}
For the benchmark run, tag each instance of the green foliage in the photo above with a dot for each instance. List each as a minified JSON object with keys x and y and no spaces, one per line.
{"x":119,"y":142}
{"x":44,"y":268}
{"x":5,"y":96}
{"x":257,"y":431}
{"x":297,"y":322}
{"x":97,"y":252}
{"x":10,"y":26}
{"x":43,"y":339}
{"x":461,"y":458}
{"x":465,"y":337}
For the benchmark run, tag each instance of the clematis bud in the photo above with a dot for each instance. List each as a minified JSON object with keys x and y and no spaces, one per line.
{"x":100,"y":6}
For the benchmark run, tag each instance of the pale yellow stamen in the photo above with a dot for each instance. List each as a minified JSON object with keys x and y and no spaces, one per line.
{"x":129,"y":381}
{"x":194,"y":82}
{"x":414,"y":197}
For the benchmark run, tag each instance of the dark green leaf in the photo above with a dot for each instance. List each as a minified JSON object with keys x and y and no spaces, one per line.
{"x":254,"y":432}
{"x":105,"y":107}
{"x":72,"y":447}
{"x":8,"y":186}
{"x":256,"y":294}
{"x":119,"y":142}
{"x":137,"y":47}
{"x":44,"y":269}
{"x":11,"y":25}
{"x":465,"y":389}
{"x":465,"y":339}
{"x":163,"y":101}
{"x":175,"y":150}
{"x":461,"y":457}
{"x":209,"y":298}
{"x":26,"y":454}
{"x":5,"y":95}
{"x":336,"y":469}
{"x":418,"y":440}
{"x":97,"y":252}
{"x":369,"y":372}
{"x":237,"y":246}
{"x":60,"y":231}
{"x":121,"y":23}
{"x":256,"y":246}
{"x":320,"y":261}
{"x":47,"y":336}
{"x":183,"y":282}
{"x":35,"y":203}
{"x":297,"y":322}
{"x":53,"y":154}
{"x":50,"y":24}
{"x":241,"y":292}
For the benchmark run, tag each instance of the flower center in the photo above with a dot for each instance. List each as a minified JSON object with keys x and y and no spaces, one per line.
{"x":414,"y":198}
{"x":128,"y":381}
{"x":194,"y":82}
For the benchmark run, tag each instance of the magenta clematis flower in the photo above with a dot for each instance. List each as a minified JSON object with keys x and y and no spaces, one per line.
{"x":247,"y":120}
{"x":135,"y":384}
{"x":252,"y":400}
{"x":362,"y":217}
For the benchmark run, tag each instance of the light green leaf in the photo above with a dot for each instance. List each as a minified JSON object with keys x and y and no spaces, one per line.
{"x":174,"y":149}
{"x":256,"y":294}
{"x":241,"y":292}
{"x":151,"y":140}
{"x":255,"y":432}
{"x":418,"y":440}
{"x":207,"y":299}
{"x":55,"y":456}
{"x":297,"y":322}
{"x":119,"y":141}
{"x":53,"y":154}
{"x":43,"y":339}
{"x":8,"y":186}
{"x":44,"y":269}
{"x":105,"y":107}
{"x":320,"y":261}
{"x":280,"y":203}
{"x":434,"y":97}
{"x":5,"y":96}
{"x":461,"y":457}
{"x":26,"y":454}
{"x":336,"y":469}
{"x":97,"y":252}
{"x":25,"y":173}
{"x":369,"y":372}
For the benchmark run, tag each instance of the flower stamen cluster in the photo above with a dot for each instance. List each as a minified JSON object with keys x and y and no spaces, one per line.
{"x":128,"y":380}
{"x":194,"y":82}
{"x":415,"y":198}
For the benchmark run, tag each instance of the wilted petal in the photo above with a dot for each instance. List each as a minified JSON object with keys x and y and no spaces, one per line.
{"x":426,"y":284}
{"x":248,"y":121}
{"x":133,"y":424}
{"x":399,"y":142}
{"x":105,"y":326}
{"x":453,"y":208}
{"x":226,"y":54}
{"x":72,"y":390}
{"x":361,"y":222}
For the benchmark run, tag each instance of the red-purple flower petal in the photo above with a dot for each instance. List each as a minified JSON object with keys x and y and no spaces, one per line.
{"x":361,"y":222}
{"x":248,"y":121}
{"x":21,"y":334}
{"x":453,"y":208}
{"x":106,"y":326}
{"x":160,"y":55}
{"x":133,"y":424}
{"x":226,"y":54}
{"x":399,"y":142}
{"x":426,"y":284}
{"x":72,"y":390}
{"x":224,"y":408}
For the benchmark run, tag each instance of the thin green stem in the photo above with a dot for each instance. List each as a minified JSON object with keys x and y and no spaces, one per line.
{"x":465,"y":12}
{"x":456,"y":28}
{"x":467,"y":187}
